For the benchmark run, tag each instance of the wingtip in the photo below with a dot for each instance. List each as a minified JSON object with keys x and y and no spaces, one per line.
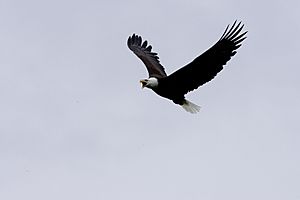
{"x":234,"y":31}
{"x":135,"y":39}
{"x":131,"y":36}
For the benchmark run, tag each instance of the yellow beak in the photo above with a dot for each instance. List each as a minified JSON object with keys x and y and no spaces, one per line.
{"x":143,"y":83}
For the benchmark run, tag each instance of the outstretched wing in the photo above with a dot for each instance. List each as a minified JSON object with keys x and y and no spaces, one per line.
{"x":205,"y":67}
{"x":150,"y":59}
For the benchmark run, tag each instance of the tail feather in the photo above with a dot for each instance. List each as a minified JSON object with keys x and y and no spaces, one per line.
{"x":190,"y":107}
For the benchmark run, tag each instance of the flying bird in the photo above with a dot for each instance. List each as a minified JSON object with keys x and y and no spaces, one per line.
{"x":198,"y":72}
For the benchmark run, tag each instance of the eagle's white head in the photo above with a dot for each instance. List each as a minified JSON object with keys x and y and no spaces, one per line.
{"x":149,"y":83}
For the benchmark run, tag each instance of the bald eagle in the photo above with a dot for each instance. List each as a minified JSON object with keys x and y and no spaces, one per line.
{"x":198,"y":72}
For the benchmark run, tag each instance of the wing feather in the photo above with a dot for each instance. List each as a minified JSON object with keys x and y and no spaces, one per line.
{"x":206,"y":66}
{"x":150,"y":59}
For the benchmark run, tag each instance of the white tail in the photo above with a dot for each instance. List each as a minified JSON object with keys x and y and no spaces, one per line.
{"x":190,"y":107}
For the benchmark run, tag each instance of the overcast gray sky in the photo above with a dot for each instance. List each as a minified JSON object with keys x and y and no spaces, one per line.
{"x":75,"y":123}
